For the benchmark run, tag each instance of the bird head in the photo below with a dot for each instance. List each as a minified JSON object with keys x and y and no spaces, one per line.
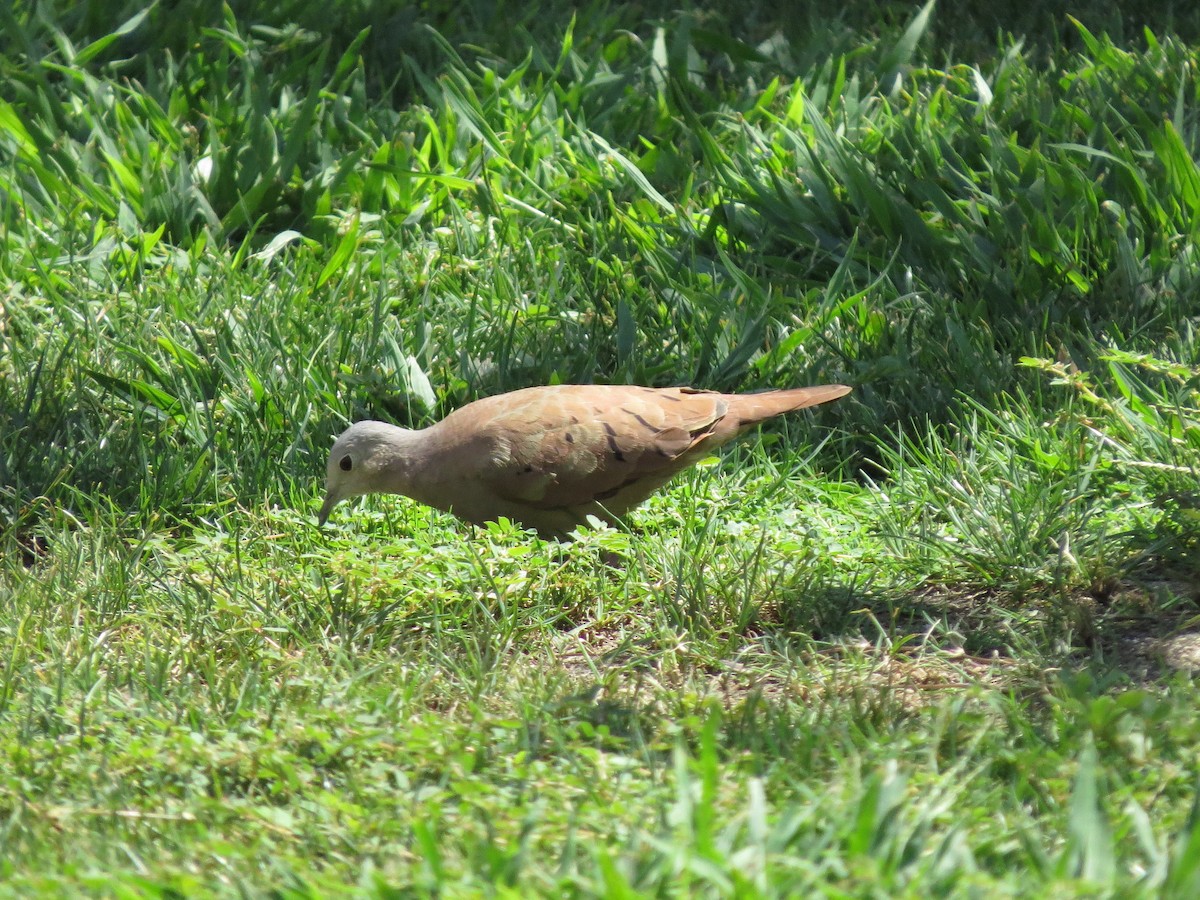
{"x":366,"y":457}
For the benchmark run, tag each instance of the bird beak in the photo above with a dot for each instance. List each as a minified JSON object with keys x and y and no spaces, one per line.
{"x":331,"y":500}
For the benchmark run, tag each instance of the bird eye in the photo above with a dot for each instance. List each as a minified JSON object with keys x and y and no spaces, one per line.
{"x":346,"y":464}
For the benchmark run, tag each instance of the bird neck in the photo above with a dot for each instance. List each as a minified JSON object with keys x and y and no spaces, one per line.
{"x":409,"y":461}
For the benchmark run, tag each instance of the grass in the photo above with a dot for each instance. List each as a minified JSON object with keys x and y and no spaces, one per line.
{"x":937,"y":637}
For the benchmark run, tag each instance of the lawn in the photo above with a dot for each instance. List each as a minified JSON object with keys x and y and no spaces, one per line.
{"x":938,"y":638}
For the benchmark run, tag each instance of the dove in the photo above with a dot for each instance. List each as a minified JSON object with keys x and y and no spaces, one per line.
{"x":549,"y":457}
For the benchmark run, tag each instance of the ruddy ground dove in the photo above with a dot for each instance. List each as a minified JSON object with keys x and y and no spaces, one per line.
{"x":548,"y":457}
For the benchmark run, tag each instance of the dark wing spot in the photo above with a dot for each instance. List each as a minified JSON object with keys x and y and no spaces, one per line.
{"x":641,"y":420}
{"x":612,"y":442}
{"x":612,"y":492}
{"x":346,"y":463}
{"x":616,"y":451}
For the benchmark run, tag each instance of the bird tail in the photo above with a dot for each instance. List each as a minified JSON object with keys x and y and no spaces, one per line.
{"x":748,"y":410}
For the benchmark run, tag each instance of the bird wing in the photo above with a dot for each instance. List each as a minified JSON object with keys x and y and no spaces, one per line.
{"x":578,"y":445}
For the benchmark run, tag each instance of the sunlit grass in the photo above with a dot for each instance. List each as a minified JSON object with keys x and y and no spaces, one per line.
{"x":935,"y":637}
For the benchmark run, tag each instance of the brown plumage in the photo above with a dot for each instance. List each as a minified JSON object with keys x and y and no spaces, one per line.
{"x":548,"y":457}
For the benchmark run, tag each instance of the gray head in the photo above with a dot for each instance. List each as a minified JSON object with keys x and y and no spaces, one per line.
{"x":366,"y":457}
